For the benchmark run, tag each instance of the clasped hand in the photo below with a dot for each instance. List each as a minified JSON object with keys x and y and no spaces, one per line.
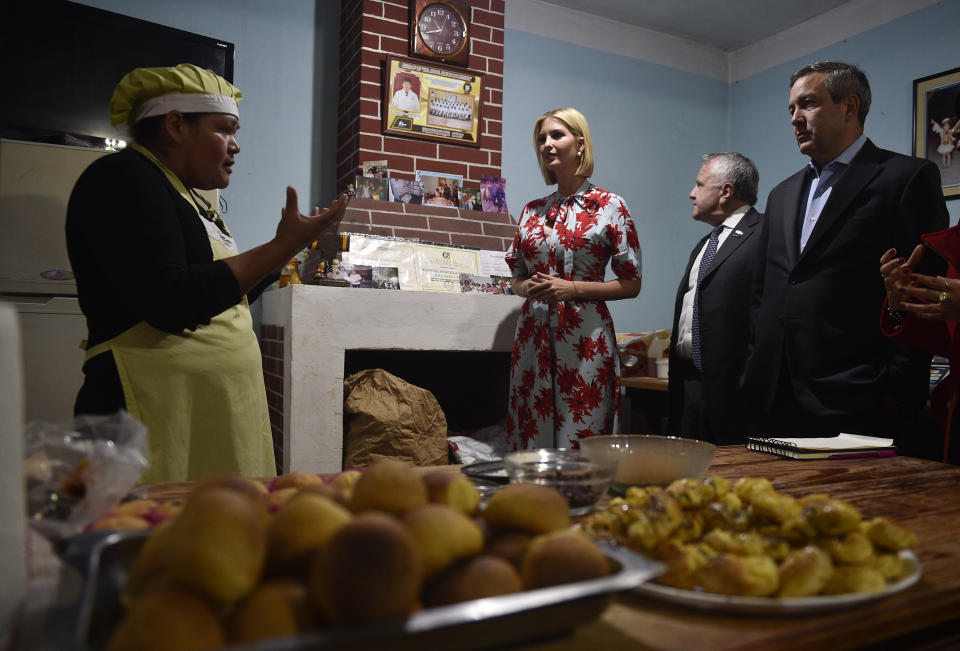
{"x":929,"y":297}
{"x":298,"y":230}
{"x":550,"y":288}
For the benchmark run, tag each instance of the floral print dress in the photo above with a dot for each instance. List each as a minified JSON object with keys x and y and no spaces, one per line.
{"x":564,"y":371}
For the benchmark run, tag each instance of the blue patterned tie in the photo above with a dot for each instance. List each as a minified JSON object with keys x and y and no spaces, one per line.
{"x":705,"y":261}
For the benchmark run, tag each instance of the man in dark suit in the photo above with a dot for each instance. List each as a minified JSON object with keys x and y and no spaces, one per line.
{"x":711,"y":317}
{"x":819,"y":363}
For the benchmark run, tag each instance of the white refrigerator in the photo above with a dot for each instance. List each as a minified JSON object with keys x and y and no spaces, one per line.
{"x":35,"y":184}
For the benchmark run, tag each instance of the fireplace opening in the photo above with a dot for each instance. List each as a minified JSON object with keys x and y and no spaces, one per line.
{"x":471,"y":386}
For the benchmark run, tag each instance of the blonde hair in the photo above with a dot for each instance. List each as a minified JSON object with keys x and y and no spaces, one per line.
{"x":579,"y":128}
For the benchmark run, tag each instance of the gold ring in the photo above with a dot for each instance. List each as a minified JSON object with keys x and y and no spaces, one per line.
{"x":943,"y":298}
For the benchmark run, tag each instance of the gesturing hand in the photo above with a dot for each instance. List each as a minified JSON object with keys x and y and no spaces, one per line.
{"x":297,"y":230}
{"x":896,"y":274}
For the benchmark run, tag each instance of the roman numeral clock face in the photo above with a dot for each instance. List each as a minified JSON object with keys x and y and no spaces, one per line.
{"x":442,"y":31}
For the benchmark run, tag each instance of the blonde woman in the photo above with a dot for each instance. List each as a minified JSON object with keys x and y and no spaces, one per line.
{"x":565,"y":376}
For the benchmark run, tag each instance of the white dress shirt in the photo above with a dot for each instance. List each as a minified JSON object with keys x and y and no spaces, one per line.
{"x":685,"y":323}
{"x":821,"y":186}
{"x":407,"y":100}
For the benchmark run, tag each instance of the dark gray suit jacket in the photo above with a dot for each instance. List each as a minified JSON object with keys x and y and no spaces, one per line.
{"x":817,"y":312}
{"x":724,"y":332}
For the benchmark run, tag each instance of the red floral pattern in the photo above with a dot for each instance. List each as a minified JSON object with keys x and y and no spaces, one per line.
{"x":565,"y":375}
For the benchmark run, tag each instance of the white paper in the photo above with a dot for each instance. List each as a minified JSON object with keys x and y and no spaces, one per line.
{"x":377,"y":252}
{"x":838,"y":442}
{"x":493,"y":263}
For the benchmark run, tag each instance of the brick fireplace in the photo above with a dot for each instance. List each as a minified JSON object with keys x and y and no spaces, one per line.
{"x":370,"y":30}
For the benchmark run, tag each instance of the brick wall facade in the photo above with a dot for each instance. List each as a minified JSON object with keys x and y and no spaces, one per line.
{"x":484,"y":230}
{"x":271,"y":353}
{"x":369,"y":31}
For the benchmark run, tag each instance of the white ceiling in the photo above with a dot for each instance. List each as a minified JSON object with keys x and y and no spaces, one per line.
{"x":728,"y":25}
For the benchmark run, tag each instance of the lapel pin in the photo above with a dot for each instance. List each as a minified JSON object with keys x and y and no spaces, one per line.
{"x":737,"y":233}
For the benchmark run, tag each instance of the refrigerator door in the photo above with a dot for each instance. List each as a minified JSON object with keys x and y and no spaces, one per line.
{"x":35,"y":184}
{"x":13,"y":521}
{"x":51,"y":330}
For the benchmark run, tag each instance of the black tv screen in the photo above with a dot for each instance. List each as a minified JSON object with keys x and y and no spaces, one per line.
{"x":63,"y":60}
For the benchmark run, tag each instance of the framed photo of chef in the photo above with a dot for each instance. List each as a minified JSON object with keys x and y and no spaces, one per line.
{"x":432,"y":102}
{"x":936,"y":125}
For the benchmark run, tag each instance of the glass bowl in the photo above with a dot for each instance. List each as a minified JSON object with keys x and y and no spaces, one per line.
{"x":646,"y":459}
{"x":582,"y":481}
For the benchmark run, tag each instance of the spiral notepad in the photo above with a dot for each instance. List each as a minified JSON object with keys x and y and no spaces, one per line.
{"x":840,"y":446}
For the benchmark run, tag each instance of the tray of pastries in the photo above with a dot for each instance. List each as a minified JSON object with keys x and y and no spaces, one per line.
{"x":744,"y":547}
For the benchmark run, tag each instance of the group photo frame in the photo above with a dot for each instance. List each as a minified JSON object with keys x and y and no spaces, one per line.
{"x":430,"y":101}
{"x":936,"y":125}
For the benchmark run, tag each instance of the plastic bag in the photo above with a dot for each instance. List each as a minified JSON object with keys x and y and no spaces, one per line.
{"x":639,"y":351}
{"x":77,"y":470}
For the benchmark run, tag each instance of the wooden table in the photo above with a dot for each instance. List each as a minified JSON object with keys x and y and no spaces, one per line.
{"x":649,"y":383}
{"x":923,"y":495}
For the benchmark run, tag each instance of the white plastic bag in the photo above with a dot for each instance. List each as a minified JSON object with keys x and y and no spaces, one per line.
{"x":77,"y":470}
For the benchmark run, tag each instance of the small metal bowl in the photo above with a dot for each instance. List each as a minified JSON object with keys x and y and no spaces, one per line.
{"x":581,"y":481}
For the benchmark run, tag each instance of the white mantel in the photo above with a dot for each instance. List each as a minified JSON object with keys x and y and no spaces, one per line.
{"x":321,"y":323}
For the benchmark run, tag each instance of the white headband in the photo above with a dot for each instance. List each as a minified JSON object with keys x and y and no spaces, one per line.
{"x":186,"y":103}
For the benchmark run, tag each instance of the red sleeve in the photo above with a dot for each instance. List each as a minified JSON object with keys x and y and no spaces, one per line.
{"x":915,"y":332}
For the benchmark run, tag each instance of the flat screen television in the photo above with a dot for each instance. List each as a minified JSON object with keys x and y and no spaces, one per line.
{"x":62,"y":61}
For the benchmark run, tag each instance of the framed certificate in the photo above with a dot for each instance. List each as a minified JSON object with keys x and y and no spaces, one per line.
{"x":432,"y":102}
{"x":441,"y":266}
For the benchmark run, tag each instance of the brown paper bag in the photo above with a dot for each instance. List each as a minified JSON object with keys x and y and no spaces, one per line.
{"x":388,"y":417}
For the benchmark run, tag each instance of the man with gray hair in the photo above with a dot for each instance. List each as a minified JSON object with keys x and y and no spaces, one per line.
{"x":711,"y":320}
{"x":819,"y":364}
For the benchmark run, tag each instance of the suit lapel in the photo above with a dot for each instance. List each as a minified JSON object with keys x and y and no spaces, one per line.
{"x":791,"y":225}
{"x":861,"y":170}
{"x":745,"y":227}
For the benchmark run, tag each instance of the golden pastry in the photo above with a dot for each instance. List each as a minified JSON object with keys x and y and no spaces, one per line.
{"x":804,"y":572}
{"x":853,"y":548}
{"x":854,"y":578}
{"x":889,"y":535}
{"x":832,"y":517}
{"x":746,"y":576}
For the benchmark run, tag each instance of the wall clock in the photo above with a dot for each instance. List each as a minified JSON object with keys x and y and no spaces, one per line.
{"x":440,"y":30}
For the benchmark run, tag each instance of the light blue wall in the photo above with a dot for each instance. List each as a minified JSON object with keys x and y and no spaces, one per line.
{"x":650,"y":125}
{"x":893,"y":55}
{"x":286,"y":65}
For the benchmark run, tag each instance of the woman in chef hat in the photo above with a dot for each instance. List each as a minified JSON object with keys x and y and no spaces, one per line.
{"x":162,"y":284}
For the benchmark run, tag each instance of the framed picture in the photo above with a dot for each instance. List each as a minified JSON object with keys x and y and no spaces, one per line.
{"x":406,"y":191}
{"x":370,"y":188}
{"x":493,"y":196}
{"x":936,"y":125}
{"x":470,"y":199}
{"x":440,"y":189}
{"x":432,"y":102}
{"x":375,"y":169}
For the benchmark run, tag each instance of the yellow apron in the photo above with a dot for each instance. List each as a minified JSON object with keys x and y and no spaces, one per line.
{"x":200,"y":394}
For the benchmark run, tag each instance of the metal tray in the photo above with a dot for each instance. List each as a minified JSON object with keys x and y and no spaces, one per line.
{"x":482,"y":623}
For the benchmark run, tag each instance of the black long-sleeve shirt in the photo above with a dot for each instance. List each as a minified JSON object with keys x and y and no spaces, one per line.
{"x":139,"y":253}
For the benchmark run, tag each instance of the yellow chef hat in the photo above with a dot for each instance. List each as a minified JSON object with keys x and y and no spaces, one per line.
{"x":146,"y":92}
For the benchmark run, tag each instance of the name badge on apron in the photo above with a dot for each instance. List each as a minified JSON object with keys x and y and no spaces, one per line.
{"x":214,"y":233}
